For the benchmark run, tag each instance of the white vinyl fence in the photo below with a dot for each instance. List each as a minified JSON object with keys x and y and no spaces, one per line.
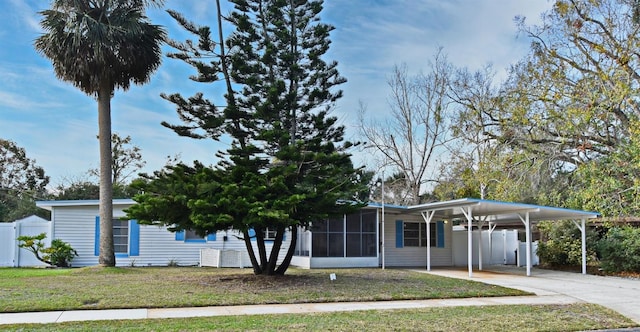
{"x":499,"y":247}
{"x":13,"y":256}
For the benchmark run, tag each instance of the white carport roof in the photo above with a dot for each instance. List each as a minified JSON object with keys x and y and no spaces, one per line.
{"x":498,"y":211}
{"x":482,"y":211}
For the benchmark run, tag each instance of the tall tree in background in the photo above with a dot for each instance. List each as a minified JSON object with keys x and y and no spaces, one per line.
{"x":98,"y":46}
{"x":287,"y":165}
{"x":417,"y":132}
{"x":482,"y":165}
{"x":127,"y":161}
{"x":611,"y":184}
{"x":21,"y":180}
{"x":575,"y":96}
{"x":572,"y":104}
{"x":472,"y":168}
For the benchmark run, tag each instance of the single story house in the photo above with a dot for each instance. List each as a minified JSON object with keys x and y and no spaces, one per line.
{"x":376,"y":236}
{"x":77,"y":222}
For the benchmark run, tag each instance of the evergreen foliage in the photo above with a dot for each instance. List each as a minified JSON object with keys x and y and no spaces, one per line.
{"x":562,"y":244}
{"x":287,"y":165}
{"x":619,"y":250}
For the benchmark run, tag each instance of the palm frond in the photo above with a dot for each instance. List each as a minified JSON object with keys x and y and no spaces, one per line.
{"x":94,"y":41}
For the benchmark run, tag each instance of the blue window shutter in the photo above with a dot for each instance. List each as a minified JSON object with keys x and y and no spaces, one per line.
{"x":399,"y":234}
{"x":252,"y":234}
{"x":440,"y":233}
{"x":211,"y":237}
{"x":96,"y":246}
{"x":180,"y":235}
{"x":134,"y":238}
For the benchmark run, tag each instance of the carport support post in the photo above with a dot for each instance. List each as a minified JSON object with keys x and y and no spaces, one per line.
{"x":382,"y":242}
{"x":527,"y":230}
{"x":583,"y":229}
{"x":427,"y":218}
{"x":583,"y":232}
{"x":527,"y":226}
{"x":469,"y":238}
{"x":480,"y":226}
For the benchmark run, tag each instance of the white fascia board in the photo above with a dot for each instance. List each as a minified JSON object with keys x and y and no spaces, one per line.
{"x":49,"y":205}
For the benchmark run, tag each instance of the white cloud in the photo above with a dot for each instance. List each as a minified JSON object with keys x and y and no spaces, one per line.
{"x":370,"y":40}
{"x":18,"y":101}
{"x":27,"y":13}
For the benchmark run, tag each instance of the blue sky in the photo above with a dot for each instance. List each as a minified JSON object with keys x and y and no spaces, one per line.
{"x":57,"y":124}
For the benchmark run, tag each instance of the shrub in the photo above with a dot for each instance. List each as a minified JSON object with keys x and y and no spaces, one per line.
{"x":563,"y":244}
{"x":59,"y":254}
{"x":619,"y":250}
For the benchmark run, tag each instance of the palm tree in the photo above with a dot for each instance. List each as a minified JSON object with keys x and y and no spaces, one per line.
{"x":98,"y":46}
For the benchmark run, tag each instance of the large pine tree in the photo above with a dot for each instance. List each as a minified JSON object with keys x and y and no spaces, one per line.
{"x":287,"y":165}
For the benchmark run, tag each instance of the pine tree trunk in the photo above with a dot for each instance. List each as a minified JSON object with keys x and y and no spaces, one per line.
{"x":252,"y":255}
{"x":292,"y":247}
{"x":275,"y":251}
{"x":107,"y":254}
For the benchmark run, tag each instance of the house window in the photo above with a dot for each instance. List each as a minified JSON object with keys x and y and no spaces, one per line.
{"x":126,"y":237}
{"x":121,"y":236}
{"x":270,"y":234}
{"x":190,"y":235}
{"x":415,"y":234}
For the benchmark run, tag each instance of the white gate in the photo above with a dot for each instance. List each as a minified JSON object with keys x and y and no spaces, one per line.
{"x":7,"y":244}
{"x":10,"y":253}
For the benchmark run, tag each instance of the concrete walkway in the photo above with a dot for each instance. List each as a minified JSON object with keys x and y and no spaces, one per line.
{"x":119,"y":314}
{"x":550,"y":287}
{"x":619,"y":294}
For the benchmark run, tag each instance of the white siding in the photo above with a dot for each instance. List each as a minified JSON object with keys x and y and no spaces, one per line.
{"x":76,"y":225}
{"x":157,"y":246}
{"x":414,"y":256}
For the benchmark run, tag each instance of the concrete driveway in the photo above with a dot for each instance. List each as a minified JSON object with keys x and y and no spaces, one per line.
{"x":619,"y":294}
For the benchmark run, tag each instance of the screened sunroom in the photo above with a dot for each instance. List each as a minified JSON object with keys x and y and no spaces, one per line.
{"x":350,"y":240}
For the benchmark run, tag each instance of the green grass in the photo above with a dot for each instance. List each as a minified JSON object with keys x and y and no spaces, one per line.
{"x":574,"y":317}
{"x":109,"y":288}
{"x":102,"y":288}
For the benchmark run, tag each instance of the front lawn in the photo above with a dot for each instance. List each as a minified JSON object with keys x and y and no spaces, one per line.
{"x":159,"y":287}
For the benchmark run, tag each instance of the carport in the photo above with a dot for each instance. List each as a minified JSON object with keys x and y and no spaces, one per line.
{"x":482,"y":212}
